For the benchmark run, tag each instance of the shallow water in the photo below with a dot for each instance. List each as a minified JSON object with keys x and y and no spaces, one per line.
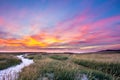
{"x":84,"y":77}
{"x":11,"y":73}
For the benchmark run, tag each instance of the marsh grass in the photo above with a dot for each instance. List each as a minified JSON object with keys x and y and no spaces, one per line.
{"x":56,"y":69}
{"x":8,"y":60}
{"x":99,"y":57}
{"x":59,"y":57}
{"x":47,"y":67}
{"x":109,"y":68}
{"x":96,"y":75}
{"x":71,"y":67}
{"x":34,"y":56}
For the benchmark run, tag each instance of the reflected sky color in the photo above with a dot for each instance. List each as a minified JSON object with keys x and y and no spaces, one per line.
{"x":59,"y":24}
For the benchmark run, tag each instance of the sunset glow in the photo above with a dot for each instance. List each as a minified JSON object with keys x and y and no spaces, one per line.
{"x":79,"y":24}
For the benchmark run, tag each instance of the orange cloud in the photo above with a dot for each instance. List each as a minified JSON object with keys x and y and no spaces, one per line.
{"x":29,"y":41}
{"x":67,"y":32}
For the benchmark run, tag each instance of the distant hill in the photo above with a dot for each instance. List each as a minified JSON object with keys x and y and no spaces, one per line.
{"x":110,"y":51}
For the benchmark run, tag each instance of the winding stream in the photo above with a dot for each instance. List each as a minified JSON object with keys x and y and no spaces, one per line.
{"x":11,"y":73}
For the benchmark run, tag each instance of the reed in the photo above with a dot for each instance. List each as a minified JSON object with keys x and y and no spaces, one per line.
{"x":8,"y":60}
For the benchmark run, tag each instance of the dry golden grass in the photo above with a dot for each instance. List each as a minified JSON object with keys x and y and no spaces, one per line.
{"x":6,"y":56}
{"x":46,"y":65}
{"x":62,"y":69}
{"x":7,"y":60}
{"x":114,"y":58}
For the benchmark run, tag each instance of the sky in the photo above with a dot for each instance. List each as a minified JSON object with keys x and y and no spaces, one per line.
{"x":62,"y":25}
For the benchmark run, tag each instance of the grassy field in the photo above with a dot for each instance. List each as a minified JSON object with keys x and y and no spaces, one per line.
{"x":102,"y":66}
{"x":7,"y":60}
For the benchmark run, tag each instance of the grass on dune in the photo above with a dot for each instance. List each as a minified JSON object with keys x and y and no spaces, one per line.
{"x":8,"y":60}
